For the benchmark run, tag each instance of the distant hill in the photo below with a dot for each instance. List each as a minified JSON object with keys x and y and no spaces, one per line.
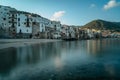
{"x":118,"y":23}
{"x":103,"y":25}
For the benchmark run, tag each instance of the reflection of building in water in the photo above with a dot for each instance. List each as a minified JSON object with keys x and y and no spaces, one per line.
{"x":98,"y":46}
{"x":29,"y":54}
{"x":93,"y":46}
{"x":13,"y":58}
{"x":7,"y":60}
{"x":37,"y":53}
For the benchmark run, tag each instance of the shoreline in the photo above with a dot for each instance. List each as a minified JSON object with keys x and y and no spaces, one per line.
{"x":7,"y":43}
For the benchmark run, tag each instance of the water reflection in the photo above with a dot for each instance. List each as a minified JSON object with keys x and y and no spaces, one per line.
{"x":98,"y":47}
{"x":37,"y":53}
{"x":58,"y":64}
{"x":7,"y":59}
{"x":76,"y":58}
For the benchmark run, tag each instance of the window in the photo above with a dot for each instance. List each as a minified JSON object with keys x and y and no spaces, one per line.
{"x":42,"y":30}
{"x":8,"y":21}
{"x":18,"y":19}
{"x":4,"y":19}
{"x":20,"y":31}
{"x":55,"y":27}
{"x":18,"y":24}
{"x":34,"y":23}
{"x":13,"y":29}
{"x":27,"y":24}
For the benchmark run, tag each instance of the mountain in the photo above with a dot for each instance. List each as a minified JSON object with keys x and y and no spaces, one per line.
{"x":103,"y":25}
{"x":118,"y":23}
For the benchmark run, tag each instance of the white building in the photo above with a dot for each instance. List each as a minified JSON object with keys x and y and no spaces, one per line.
{"x":42,"y":24}
{"x":90,"y":33}
{"x":5,"y":19}
{"x":56,"y":25}
{"x":24,"y":23}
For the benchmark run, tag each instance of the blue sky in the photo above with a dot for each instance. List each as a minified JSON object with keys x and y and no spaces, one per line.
{"x":71,"y":12}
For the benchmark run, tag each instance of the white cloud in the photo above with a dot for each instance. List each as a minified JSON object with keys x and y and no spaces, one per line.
{"x":111,"y":4}
{"x":57,"y":15}
{"x":92,"y":5}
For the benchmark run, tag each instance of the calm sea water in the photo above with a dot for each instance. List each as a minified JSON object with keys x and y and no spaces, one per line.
{"x":88,"y":59}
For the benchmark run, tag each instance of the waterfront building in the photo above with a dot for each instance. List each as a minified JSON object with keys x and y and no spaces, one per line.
{"x":71,"y":32}
{"x":90,"y":33}
{"x":68,"y":31}
{"x":20,"y":24}
{"x":56,"y":33}
{"x":24,"y":24}
{"x":64,"y":31}
{"x":5,"y":21}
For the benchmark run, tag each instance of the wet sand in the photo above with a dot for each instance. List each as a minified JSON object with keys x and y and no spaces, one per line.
{"x":6,"y":43}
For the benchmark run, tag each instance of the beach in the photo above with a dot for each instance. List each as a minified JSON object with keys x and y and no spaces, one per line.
{"x":6,"y":43}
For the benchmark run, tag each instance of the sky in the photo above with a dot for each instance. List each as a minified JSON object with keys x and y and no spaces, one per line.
{"x":70,"y":12}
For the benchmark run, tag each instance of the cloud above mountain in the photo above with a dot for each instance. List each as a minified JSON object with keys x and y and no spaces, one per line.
{"x":111,"y":4}
{"x":57,"y":15}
